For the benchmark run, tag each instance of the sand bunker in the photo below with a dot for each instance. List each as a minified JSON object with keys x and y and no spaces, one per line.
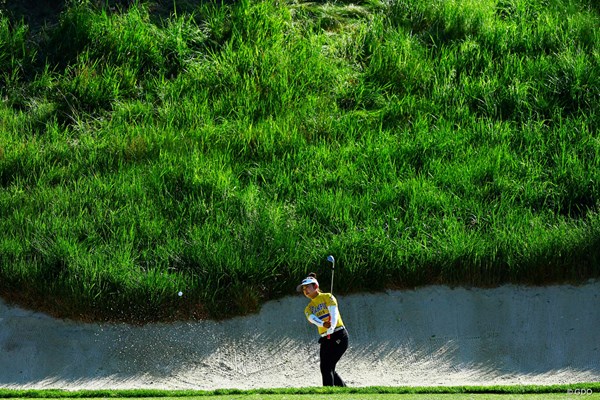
{"x":430,"y":336}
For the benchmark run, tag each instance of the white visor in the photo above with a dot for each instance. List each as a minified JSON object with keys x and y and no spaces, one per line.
{"x":306,"y":281}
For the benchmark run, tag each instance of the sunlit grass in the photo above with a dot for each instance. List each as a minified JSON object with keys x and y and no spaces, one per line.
{"x":227,"y":150}
{"x":375,"y":392}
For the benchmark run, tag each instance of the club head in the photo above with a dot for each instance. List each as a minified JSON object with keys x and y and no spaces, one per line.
{"x":331,"y":259}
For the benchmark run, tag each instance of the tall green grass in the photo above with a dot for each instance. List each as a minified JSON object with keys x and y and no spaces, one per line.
{"x":227,"y":149}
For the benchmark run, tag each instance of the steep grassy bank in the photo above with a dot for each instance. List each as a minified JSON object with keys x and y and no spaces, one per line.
{"x":225,"y":149}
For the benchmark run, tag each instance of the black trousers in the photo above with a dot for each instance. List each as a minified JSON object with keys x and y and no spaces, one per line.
{"x":332,"y":350}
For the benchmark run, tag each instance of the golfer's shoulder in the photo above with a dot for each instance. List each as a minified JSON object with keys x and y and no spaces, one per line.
{"x":329,"y":298}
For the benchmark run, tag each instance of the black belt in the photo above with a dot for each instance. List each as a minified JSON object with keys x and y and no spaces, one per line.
{"x":339,"y":328}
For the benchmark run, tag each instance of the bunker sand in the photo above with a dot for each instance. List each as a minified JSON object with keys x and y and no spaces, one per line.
{"x":430,"y":336}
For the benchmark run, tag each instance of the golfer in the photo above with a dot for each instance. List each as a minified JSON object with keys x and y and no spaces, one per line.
{"x":323,"y":312}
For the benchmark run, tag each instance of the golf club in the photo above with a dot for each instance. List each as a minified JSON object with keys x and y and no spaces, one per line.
{"x":332,"y":261}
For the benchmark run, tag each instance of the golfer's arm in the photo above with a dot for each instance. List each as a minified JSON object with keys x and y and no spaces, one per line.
{"x":333,"y":316}
{"x":313,"y":319}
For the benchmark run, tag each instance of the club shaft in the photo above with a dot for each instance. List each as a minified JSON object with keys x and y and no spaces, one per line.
{"x":332,"y":272}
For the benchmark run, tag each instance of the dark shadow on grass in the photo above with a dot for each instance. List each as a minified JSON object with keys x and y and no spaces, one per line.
{"x":38,"y":14}
{"x":34,"y":13}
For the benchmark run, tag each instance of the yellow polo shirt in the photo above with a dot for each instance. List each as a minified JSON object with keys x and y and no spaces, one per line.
{"x":319,"y":306}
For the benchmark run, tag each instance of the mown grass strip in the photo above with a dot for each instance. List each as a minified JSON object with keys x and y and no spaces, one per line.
{"x":148,"y":393}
